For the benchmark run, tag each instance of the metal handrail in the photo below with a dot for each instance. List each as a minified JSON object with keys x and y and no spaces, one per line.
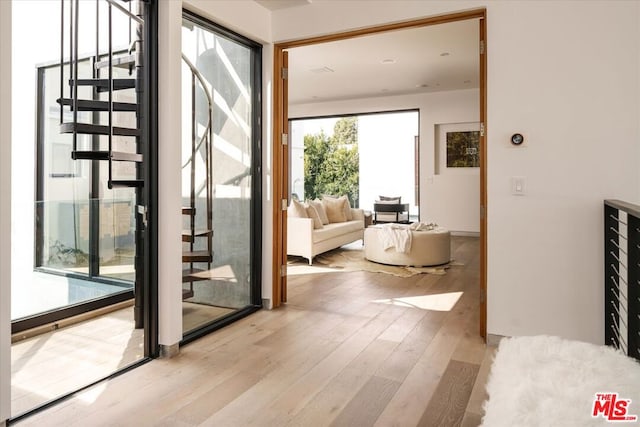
{"x":629,"y":208}
{"x":207,"y":139}
{"x":202,"y":81}
{"x":125,"y":11}
{"x":622,"y":294}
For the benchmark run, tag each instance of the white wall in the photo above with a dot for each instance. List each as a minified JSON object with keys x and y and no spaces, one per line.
{"x":450,"y":200}
{"x":565,"y":74}
{"x":245,"y":17}
{"x":573,"y":92}
{"x":5,"y":210}
{"x":267,"y":178}
{"x":328,"y":16}
{"x":169,"y":176}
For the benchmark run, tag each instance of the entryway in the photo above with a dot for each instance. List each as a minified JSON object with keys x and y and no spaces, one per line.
{"x":281,"y":152}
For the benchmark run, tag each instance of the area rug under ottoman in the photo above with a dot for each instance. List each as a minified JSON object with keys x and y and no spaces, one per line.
{"x":550,"y":381}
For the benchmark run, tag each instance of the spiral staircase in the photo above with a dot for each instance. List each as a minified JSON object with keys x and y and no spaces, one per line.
{"x":92,"y":110}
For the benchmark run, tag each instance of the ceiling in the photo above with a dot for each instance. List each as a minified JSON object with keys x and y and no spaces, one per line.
{"x":281,"y":4}
{"x":419,"y":60}
{"x":427,"y":59}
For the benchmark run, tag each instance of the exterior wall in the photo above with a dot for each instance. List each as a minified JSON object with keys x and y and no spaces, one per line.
{"x":451,"y":200}
{"x":5,"y":210}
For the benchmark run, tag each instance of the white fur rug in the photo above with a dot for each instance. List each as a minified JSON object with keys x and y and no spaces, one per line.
{"x":549,"y":381}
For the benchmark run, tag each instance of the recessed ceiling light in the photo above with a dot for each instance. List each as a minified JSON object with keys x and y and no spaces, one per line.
{"x":467,"y":81}
{"x":388,"y":61}
{"x":384,"y":90}
{"x":445,"y":54}
{"x":422,"y":85}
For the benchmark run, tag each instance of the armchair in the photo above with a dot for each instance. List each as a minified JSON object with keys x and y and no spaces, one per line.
{"x":390,"y":211}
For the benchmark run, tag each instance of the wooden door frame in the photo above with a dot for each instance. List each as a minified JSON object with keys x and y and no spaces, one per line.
{"x":280,"y":127}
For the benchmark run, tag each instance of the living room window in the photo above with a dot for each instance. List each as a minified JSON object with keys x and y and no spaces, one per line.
{"x":365,"y":156}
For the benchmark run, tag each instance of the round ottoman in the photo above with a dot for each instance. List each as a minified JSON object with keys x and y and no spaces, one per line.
{"x":431,"y":247}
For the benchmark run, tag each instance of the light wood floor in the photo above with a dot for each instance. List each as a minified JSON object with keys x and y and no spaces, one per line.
{"x":349,"y":349}
{"x":52,"y":364}
{"x":197,"y":315}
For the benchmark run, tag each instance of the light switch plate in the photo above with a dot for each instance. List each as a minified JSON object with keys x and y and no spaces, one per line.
{"x":518,"y":185}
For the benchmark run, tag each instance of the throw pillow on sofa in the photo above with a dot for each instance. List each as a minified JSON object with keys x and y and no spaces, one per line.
{"x":346,"y":205}
{"x":313,"y":214}
{"x":297,"y":210}
{"x":322,"y":213}
{"x":335,"y":210}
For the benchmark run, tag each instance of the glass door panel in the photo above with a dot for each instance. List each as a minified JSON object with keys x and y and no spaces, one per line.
{"x":83,"y":229}
{"x":218,"y":81}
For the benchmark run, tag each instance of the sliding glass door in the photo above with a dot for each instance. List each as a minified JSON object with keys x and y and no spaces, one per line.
{"x":221,"y":176}
{"x":84,"y":230}
{"x":79,"y":248}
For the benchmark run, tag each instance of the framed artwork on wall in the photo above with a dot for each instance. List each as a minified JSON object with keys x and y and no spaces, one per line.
{"x":457,"y":148}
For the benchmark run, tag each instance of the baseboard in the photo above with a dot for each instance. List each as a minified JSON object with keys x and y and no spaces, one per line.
{"x":493,"y":340}
{"x":169,"y":351}
{"x":465,"y":233}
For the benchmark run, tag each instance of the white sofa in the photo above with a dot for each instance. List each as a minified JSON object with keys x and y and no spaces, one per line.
{"x":304,"y":241}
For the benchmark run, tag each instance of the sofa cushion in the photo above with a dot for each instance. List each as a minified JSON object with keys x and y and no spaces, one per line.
{"x":320,"y":209}
{"x":313,"y":214}
{"x":346,"y":206}
{"x":335,"y":210}
{"x":336,"y":229}
{"x":297,"y":210}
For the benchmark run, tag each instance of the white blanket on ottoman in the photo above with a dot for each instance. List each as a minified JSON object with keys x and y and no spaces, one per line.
{"x":396,"y":236}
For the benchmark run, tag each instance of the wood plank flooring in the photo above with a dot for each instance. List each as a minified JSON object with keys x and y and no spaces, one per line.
{"x":348,"y":349}
{"x":49,"y":365}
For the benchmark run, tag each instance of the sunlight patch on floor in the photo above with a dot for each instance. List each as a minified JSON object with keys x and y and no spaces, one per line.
{"x":91,"y":395}
{"x":435,"y":302}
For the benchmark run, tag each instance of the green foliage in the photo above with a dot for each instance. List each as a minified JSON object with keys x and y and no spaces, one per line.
{"x":61,"y":255}
{"x":345,"y":130}
{"x":331,"y":165}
